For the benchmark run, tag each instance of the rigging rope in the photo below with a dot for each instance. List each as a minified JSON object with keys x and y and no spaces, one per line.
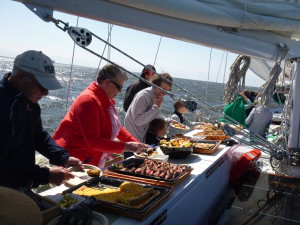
{"x":70,"y":77}
{"x":157,"y":50}
{"x":225,"y":67}
{"x":269,"y":86}
{"x":224,"y":73}
{"x":236,"y":81}
{"x":208,"y":72}
{"x":108,"y":38}
{"x":220,"y":67}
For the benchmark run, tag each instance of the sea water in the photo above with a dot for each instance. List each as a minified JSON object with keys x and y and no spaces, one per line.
{"x":55,"y":105}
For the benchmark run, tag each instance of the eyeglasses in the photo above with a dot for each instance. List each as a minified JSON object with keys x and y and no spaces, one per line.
{"x":118,"y":86}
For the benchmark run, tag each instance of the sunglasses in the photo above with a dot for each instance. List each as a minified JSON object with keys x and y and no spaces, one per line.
{"x":118,"y":86}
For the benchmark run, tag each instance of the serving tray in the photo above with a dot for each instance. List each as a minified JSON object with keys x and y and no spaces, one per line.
{"x":209,"y":150}
{"x":137,"y":163}
{"x":127,"y":211}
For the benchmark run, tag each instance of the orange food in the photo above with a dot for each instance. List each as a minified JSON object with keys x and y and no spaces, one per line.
{"x":93,"y":172}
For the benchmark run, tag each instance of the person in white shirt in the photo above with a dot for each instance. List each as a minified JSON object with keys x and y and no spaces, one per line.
{"x":259,"y":120}
{"x":146,"y":106}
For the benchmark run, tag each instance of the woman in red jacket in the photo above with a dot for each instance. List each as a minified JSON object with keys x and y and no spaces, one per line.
{"x":90,"y":127}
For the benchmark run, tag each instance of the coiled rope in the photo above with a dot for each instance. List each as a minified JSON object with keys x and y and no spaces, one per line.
{"x":269,"y":86}
{"x":236,"y":81}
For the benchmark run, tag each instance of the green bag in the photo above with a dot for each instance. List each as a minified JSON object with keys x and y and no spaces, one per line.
{"x":235,"y":110}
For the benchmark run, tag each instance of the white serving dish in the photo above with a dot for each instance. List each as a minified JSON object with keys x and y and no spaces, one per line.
{"x":81,"y":175}
{"x":192,"y":133}
{"x":161,"y":157}
{"x":98,"y":219}
{"x":154,"y":156}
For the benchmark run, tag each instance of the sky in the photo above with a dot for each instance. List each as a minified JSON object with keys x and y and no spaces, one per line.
{"x":23,"y":30}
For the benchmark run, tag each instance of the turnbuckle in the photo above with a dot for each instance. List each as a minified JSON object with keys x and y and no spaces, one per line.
{"x":80,"y":36}
{"x":57,"y":22}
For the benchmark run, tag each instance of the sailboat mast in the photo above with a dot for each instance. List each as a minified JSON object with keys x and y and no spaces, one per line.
{"x":294,"y":136}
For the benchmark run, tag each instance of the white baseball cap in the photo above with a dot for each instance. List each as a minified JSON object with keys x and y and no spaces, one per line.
{"x":41,"y":66}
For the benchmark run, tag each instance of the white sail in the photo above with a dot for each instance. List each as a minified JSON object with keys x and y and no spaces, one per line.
{"x":243,"y":27}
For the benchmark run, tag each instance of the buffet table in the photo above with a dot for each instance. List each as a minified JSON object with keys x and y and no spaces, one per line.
{"x":193,"y":200}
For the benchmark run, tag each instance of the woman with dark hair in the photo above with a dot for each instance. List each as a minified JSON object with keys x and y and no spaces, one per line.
{"x":90,"y":127}
{"x":134,"y":88}
{"x":251,"y":95}
{"x":237,"y":109}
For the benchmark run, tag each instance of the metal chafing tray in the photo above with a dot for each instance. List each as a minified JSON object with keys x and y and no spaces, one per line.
{"x":138,"y":213}
{"x":134,"y":162}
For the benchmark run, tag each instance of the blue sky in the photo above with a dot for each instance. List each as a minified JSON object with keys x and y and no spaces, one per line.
{"x":23,"y":30}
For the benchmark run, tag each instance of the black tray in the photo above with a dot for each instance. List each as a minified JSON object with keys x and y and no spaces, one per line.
{"x":107,"y":181}
{"x":134,"y":162}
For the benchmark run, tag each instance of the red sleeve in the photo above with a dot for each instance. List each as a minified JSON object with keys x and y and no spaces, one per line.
{"x":125,"y":136}
{"x":92,"y":123}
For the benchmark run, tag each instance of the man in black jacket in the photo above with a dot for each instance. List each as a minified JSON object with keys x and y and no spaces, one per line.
{"x":134,"y":88}
{"x":21,"y":130}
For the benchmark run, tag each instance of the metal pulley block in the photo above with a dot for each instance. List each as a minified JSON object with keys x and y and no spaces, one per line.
{"x":81,"y":36}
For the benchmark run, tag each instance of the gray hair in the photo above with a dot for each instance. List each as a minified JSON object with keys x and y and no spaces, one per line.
{"x":111,"y":72}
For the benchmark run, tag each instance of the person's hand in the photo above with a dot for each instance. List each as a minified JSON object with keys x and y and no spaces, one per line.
{"x":72,"y":161}
{"x":80,"y":213}
{"x":58,"y":175}
{"x":158,"y":100}
{"x":134,"y":147}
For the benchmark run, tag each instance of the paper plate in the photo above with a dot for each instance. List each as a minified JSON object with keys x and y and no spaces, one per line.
{"x":179,"y":126}
{"x":98,"y":219}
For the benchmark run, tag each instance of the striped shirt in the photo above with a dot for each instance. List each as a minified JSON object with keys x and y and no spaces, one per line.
{"x":258,"y":120}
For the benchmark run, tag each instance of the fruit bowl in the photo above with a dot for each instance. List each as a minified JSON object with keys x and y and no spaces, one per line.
{"x":177,"y":148}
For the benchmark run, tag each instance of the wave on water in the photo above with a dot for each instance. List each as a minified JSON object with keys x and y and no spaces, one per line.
{"x":53,"y":98}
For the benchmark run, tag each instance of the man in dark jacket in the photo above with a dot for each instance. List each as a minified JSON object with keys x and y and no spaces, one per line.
{"x":21,"y":130}
{"x":134,"y":88}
